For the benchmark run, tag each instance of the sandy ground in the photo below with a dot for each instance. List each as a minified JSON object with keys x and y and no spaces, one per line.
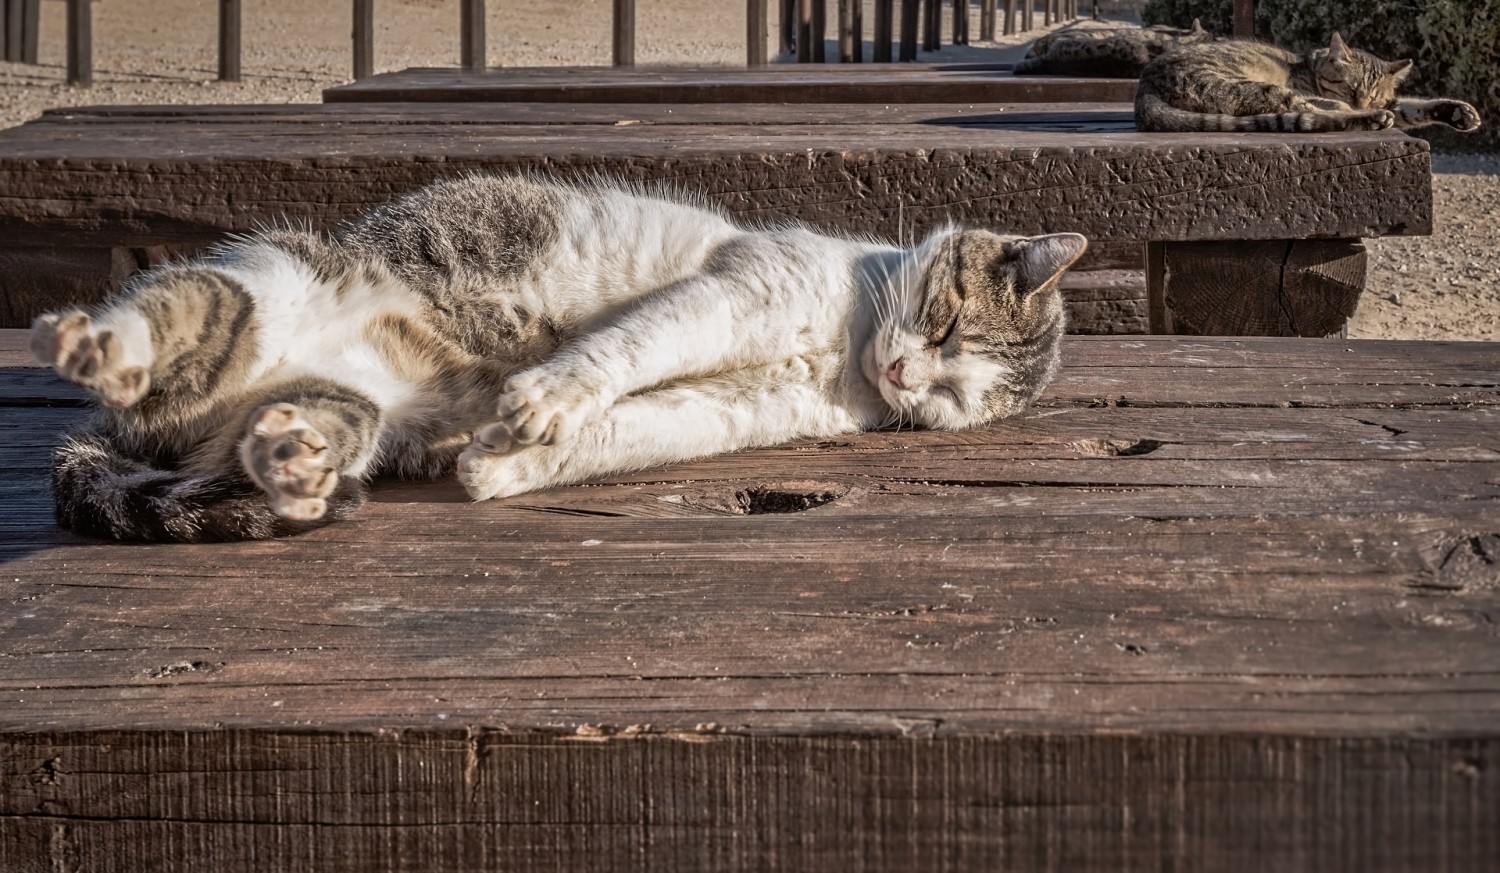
{"x":165,"y":51}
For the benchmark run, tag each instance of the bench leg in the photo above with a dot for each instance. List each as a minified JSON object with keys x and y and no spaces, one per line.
{"x":1257,"y":288}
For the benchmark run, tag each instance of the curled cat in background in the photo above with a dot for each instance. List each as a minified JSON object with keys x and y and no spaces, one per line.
{"x":527,"y":335}
{"x":1242,"y":85}
{"x":1108,"y":51}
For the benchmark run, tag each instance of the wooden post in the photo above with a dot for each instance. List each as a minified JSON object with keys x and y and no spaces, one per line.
{"x":846,"y":32}
{"x":1028,"y":15}
{"x":804,"y":31}
{"x":20,"y":26}
{"x":786,"y":26}
{"x":932,"y":22}
{"x":471,"y":34}
{"x":820,"y":31}
{"x":1244,"y":19}
{"x":987,"y":20}
{"x":909,"y":15}
{"x":624,"y":33}
{"x":859,"y":31}
{"x":1010,"y":17}
{"x":229,"y":40}
{"x":1255,"y":288}
{"x":80,"y":43}
{"x":883,"y":31}
{"x":755,"y":33}
{"x":364,"y":38}
{"x":960,"y":22}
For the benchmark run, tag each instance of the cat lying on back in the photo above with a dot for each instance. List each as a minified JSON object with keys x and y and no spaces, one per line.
{"x":1241,"y":85}
{"x":1112,"y":51}
{"x":526,"y":335}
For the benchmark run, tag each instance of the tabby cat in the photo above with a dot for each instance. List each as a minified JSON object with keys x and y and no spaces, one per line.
{"x":526,"y":334}
{"x":1242,"y":85}
{"x":1113,"y":51}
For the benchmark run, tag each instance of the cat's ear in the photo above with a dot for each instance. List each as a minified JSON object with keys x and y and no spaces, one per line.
{"x":1338,"y":50}
{"x":1399,"y":70}
{"x":1044,"y":258}
{"x":1197,"y":26}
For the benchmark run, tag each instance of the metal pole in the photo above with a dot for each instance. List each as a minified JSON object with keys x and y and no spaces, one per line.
{"x":229,"y":40}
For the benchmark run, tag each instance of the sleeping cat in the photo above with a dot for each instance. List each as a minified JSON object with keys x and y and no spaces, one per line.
{"x":1113,"y":51}
{"x":527,"y":335}
{"x":1241,"y":85}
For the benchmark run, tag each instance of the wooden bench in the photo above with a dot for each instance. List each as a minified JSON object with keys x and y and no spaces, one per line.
{"x":1248,"y":234}
{"x":1214,"y":605}
{"x":785,"y":83}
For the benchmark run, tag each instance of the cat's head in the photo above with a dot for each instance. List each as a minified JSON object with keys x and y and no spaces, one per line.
{"x":970,"y":327}
{"x":1356,"y":77}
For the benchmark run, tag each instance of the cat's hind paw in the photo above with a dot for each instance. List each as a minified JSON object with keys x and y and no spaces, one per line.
{"x":537,"y":407}
{"x":89,"y":358}
{"x":287,"y":457}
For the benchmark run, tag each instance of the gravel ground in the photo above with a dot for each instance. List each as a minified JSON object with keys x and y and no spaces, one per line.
{"x":1446,"y":286}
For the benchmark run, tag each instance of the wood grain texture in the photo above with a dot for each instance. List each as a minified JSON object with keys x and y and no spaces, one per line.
{"x":1264,"y":288}
{"x":1213,"y":604}
{"x":186,"y":177}
{"x":868,"y":83}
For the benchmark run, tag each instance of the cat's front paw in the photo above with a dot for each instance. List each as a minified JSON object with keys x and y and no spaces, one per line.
{"x":1457,"y":115}
{"x":288,"y":458}
{"x":1375,"y":119}
{"x":538,"y":407}
{"x":89,"y":358}
{"x":487,"y":472}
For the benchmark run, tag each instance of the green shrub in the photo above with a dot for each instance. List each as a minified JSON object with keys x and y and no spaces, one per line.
{"x":1455,"y":43}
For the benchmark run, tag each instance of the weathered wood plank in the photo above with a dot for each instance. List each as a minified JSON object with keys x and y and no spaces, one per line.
{"x":191,"y":180}
{"x":835,"y":84}
{"x":1209,"y":590}
{"x":1274,"y":288}
{"x":483,"y":800}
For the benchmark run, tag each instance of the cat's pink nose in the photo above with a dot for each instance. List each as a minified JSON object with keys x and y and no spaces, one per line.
{"x":893,"y":372}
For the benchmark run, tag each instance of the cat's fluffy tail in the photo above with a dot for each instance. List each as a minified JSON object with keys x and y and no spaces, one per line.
{"x":100,"y":492}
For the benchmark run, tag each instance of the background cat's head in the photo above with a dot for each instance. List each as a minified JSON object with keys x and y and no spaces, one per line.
{"x":1356,"y":77}
{"x":970,"y":327}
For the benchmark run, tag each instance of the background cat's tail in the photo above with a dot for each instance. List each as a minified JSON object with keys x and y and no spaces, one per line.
{"x":100,"y":492}
{"x":1155,"y":114}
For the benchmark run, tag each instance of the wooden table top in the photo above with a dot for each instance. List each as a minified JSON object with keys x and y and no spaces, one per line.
{"x":1206,"y":591}
{"x":1180,"y":532}
{"x":778,"y":83}
{"x":145,"y":176}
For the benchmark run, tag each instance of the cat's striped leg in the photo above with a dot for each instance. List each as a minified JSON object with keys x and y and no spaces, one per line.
{"x":183,"y":332}
{"x":115,"y":366}
{"x":654,"y":428}
{"x":306,"y":434}
{"x":1412,"y":112}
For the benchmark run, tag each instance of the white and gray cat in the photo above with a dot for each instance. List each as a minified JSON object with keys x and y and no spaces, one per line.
{"x":527,"y":335}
